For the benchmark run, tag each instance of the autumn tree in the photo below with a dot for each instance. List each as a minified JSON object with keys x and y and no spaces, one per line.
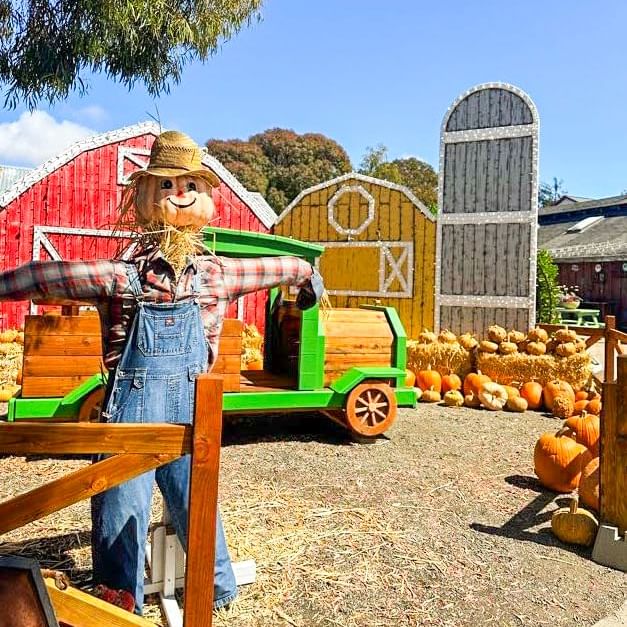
{"x":413,"y":173}
{"x":280,"y":163}
{"x":48,"y":46}
{"x":550,"y":193}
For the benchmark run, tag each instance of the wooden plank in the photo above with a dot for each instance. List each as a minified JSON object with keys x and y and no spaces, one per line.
{"x":232,"y":327}
{"x":231,"y":382}
{"x":446,"y":259}
{"x":39,"y":387}
{"x":460,"y":177}
{"x":227,"y":364}
{"x":504,"y":257}
{"x":449,"y":180}
{"x":490,"y":262}
{"x":63,"y":345}
{"x":333,"y":316}
{"x":203,"y":502}
{"x":74,"y":607}
{"x":481,"y":177}
{"x":336,"y":362}
{"x":36,"y":438}
{"x":478,"y":260}
{"x":76,"y":486}
{"x":349,"y":345}
{"x":61,"y":366}
{"x":358,"y":329}
{"x":62,"y":325}
{"x":458,"y":264}
{"x":230,"y":345}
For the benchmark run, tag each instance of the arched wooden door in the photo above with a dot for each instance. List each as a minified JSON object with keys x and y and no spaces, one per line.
{"x":487,"y":224}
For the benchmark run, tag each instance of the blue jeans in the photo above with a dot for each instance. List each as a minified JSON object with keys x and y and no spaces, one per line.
{"x":153,"y":383}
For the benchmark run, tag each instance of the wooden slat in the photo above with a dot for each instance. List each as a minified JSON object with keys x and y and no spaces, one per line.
{"x":63,"y":345}
{"x":336,"y":361}
{"x":39,"y":387}
{"x":203,"y":502}
{"x":62,"y":325}
{"x":76,"y":486}
{"x":355,"y":315}
{"x":230,"y":345}
{"x":227,"y":364}
{"x":232,"y":327}
{"x":231,"y":382}
{"x":359,"y":329}
{"x":61,"y":366}
{"x":352,"y":345}
{"x":74,"y":607}
{"x":36,"y":438}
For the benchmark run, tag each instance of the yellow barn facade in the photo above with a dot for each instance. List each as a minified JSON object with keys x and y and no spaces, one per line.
{"x":379,"y":244}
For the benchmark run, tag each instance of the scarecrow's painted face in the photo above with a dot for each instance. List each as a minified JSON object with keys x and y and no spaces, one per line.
{"x":179,"y":201}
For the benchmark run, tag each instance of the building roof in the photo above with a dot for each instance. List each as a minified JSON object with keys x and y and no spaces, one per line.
{"x":359,"y":177}
{"x":583,"y":205}
{"x":9,"y":175}
{"x":262,"y":210}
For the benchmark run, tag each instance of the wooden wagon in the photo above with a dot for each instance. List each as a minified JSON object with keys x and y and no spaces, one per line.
{"x":348,"y":363}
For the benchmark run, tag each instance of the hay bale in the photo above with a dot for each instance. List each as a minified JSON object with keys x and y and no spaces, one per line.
{"x":445,"y":358}
{"x":521,"y":367}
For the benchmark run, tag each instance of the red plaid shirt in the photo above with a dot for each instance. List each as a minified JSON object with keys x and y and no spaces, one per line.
{"x":105,"y":284}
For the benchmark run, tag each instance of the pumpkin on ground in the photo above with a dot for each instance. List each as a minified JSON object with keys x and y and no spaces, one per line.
{"x":472,"y":400}
{"x":574,"y":525}
{"x":589,"y":485}
{"x":453,"y":398}
{"x":558,"y":460}
{"x":474,"y":381}
{"x":431,"y":396}
{"x":587,"y":428}
{"x":581,"y":395}
{"x":429,"y":379}
{"x":493,"y":396}
{"x":410,"y":378}
{"x":516,"y":403}
{"x":563,"y":406}
{"x":579,"y":407}
{"x":512,"y":391}
{"x":532,"y":392}
{"x":555,"y":387}
{"x":451,"y":382}
{"x":594,"y":406}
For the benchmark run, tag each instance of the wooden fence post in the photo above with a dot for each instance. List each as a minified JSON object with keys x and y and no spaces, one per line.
{"x":203,"y":502}
{"x":610,"y":341}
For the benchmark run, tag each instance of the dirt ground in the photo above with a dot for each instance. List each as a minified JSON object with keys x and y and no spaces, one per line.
{"x":441,"y":523}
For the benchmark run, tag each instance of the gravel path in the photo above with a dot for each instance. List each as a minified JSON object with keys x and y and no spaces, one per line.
{"x":442,"y":523}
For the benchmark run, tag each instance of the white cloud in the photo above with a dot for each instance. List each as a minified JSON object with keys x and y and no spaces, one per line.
{"x":92,"y":113}
{"x":37,"y":136}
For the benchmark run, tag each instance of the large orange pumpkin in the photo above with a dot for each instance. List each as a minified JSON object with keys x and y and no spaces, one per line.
{"x":553,"y":388}
{"x":589,"y":485}
{"x":558,"y":461}
{"x":429,"y":379}
{"x":474,"y":381}
{"x":532,"y":393}
{"x":594,"y":406}
{"x":580,"y":406}
{"x":177,"y":200}
{"x":451,"y":382}
{"x":587,"y":428}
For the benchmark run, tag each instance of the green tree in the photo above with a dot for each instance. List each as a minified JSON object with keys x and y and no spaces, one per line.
{"x":280,"y":163}
{"x":547,"y":289}
{"x":419,"y":176}
{"x":550,"y":193}
{"x":47,"y":46}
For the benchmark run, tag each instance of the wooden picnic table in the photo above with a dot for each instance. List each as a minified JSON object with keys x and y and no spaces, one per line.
{"x":580,"y":317}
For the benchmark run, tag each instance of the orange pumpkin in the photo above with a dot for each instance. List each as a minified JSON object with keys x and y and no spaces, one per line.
{"x":589,"y":485}
{"x":594,"y":406}
{"x":580,"y":406}
{"x":429,"y":379}
{"x":410,"y":378}
{"x":587,"y":428}
{"x":553,"y":388}
{"x":558,"y":461}
{"x":512,"y":392}
{"x":532,"y":393}
{"x":451,"y":382}
{"x":255,"y":364}
{"x":581,"y":395}
{"x":474,"y":381}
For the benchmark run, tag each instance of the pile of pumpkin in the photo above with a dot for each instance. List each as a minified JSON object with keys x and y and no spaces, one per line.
{"x":568,"y":460}
{"x":11,"y":349}
{"x":252,"y":341}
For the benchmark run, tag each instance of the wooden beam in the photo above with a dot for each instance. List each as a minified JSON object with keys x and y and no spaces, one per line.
{"x":610,"y":343}
{"x":203,"y":502}
{"x":75,"y":607}
{"x":70,"y":489}
{"x":36,"y":438}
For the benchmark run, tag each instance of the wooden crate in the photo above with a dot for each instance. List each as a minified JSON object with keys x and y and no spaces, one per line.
{"x":60,"y":352}
{"x":228,"y":363}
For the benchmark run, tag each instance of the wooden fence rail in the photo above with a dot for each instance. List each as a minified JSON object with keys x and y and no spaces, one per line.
{"x":134,"y":449}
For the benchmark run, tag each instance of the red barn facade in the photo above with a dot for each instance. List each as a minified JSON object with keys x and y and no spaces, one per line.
{"x":66,"y":208}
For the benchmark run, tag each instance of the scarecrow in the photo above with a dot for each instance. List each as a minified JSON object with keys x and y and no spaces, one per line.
{"x":161,"y":315}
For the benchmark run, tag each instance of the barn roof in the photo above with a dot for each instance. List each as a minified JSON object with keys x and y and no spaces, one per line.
{"x":359,"y":177}
{"x":9,"y":175}
{"x":262,"y":210}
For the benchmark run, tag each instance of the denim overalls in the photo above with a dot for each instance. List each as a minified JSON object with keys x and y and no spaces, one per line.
{"x":153,"y":383}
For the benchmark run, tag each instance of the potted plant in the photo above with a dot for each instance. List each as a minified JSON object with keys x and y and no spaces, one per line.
{"x":569,"y":297}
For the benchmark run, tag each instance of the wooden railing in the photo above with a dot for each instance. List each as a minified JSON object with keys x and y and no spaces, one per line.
{"x":133,"y":449}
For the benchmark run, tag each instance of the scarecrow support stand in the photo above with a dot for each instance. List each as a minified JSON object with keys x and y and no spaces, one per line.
{"x":610,"y":548}
{"x":134,"y":449}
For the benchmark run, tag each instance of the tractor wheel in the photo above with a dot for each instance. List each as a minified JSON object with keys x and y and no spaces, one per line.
{"x":371,"y":408}
{"x":90,"y":409}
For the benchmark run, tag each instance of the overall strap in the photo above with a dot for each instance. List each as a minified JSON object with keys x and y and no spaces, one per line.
{"x":196,"y":283}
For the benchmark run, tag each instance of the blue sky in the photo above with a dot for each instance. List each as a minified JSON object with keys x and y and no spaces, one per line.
{"x":366,"y":72}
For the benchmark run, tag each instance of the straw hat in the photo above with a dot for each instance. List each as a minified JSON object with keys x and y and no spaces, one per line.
{"x":175,"y":154}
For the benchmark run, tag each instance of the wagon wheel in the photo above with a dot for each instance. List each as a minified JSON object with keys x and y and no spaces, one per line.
{"x":371,"y":408}
{"x":90,"y":409}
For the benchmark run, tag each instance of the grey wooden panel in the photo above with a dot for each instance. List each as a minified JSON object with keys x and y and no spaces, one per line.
{"x":448,"y":189}
{"x":445,"y":318}
{"x":482,"y":176}
{"x":489,"y":107}
{"x":478,"y":261}
{"x":447,"y":248}
{"x":466,"y":320}
{"x":489,"y":259}
{"x":458,"y":265}
{"x":502,"y":261}
{"x":469,"y":253}
{"x":459,"y":172}
{"x":470,"y":176}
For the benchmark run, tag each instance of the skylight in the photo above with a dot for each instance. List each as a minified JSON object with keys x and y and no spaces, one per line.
{"x":584,"y":224}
